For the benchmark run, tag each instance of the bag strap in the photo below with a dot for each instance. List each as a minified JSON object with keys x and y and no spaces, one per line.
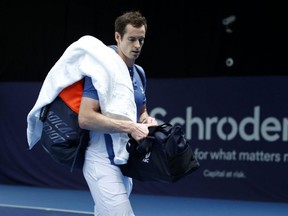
{"x":140,"y":147}
{"x":141,"y":73}
{"x":145,"y":145}
{"x":161,"y":127}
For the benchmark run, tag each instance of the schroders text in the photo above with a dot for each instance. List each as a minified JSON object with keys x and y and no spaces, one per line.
{"x":248,"y":128}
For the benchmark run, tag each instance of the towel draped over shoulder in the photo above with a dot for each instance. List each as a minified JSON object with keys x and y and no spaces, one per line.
{"x":88,"y":56}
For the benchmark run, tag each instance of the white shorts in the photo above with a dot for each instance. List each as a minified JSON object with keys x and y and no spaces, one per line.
{"x":109,"y":188}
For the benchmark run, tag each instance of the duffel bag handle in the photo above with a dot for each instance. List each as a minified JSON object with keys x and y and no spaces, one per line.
{"x":161,"y":127}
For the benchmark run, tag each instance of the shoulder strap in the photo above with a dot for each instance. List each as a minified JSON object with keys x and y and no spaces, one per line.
{"x":141,"y":73}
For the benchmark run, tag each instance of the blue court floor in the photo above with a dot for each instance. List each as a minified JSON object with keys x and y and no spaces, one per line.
{"x":33,"y":201}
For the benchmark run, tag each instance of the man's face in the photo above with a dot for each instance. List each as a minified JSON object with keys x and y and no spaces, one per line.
{"x":130,"y":45}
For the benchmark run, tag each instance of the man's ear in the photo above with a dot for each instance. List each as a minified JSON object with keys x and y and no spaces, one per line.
{"x":117,"y":37}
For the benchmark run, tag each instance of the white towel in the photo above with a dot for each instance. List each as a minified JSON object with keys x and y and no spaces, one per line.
{"x":110,"y":76}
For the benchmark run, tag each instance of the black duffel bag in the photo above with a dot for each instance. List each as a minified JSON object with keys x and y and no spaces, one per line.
{"x":163,"y":156}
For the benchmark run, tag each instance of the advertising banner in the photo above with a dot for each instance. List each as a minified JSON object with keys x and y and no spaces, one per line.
{"x":236,"y":126}
{"x":238,"y":129}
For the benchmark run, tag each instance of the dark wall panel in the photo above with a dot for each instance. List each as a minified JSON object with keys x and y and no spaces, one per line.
{"x":189,"y":38}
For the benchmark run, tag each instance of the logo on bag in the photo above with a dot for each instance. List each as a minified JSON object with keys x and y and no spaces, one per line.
{"x":57,"y":129}
{"x":146,"y":158}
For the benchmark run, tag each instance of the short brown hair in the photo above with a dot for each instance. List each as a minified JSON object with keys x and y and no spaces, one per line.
{"x":135,"y":18}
